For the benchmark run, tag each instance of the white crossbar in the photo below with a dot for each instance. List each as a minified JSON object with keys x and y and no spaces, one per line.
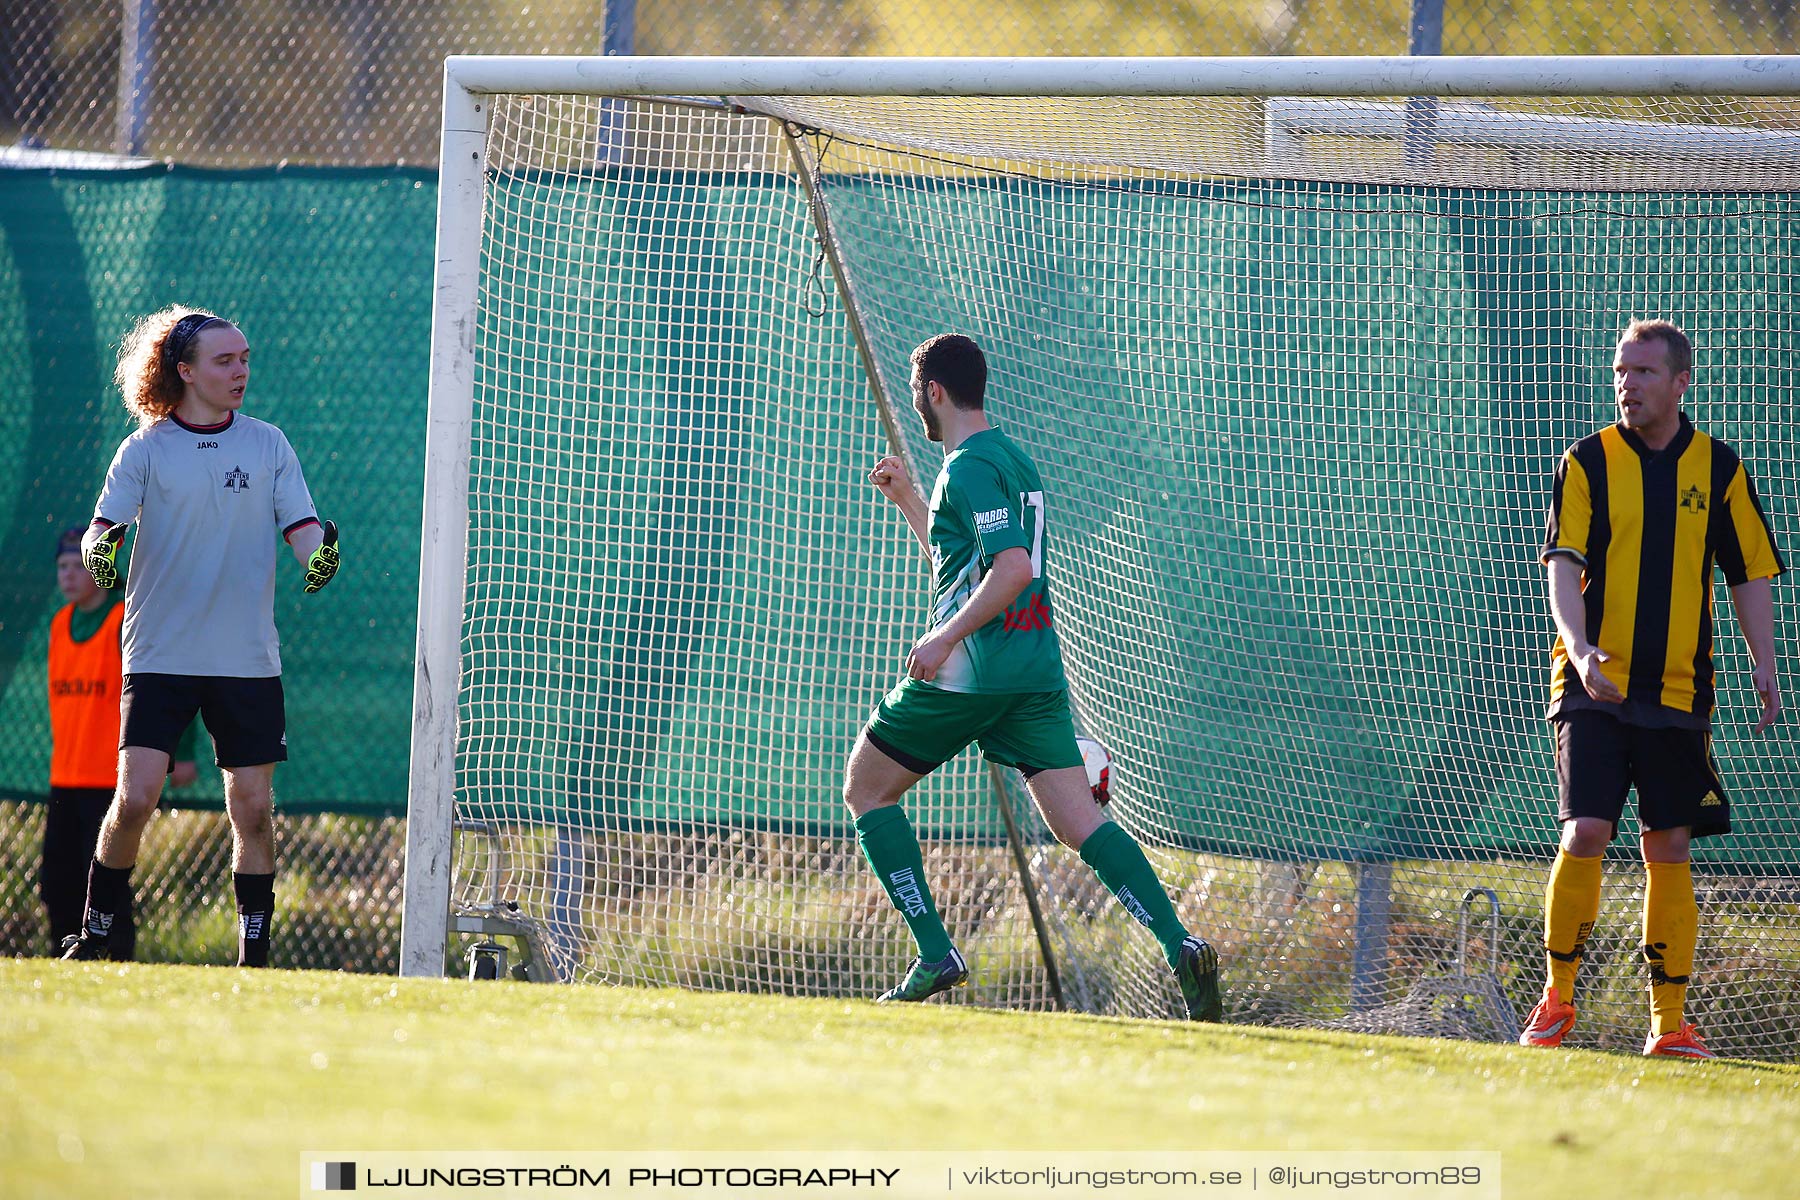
{"x":1614,"y":75}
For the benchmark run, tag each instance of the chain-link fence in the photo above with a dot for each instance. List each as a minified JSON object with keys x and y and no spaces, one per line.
{"x":337,"y":896}
{"x":357,"y":81}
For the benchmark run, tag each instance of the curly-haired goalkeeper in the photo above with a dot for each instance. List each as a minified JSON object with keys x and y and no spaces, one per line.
{"x":211,"y":491}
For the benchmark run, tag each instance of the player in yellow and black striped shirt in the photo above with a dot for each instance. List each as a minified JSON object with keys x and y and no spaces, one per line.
{"x":1642,"y":512}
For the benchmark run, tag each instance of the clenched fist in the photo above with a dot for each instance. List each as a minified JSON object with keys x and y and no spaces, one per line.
{"x":894,"y":480}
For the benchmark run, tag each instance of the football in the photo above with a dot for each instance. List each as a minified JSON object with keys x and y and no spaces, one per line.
{"x":1098,"y":760}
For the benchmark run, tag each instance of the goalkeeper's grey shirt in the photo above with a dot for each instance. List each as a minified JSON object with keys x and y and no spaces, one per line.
{"x":212,"y":505}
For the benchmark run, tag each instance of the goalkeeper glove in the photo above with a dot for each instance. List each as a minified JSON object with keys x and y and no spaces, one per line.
{"x":98,"y":557}
{"x":324,"y":561}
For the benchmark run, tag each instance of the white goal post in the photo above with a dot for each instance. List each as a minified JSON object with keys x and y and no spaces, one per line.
{"x":1490,"y":183}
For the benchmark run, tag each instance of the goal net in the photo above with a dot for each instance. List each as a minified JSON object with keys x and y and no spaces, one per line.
{"x":1296,"y":369}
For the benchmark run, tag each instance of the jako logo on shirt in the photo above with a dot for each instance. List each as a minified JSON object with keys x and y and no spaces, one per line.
{"x":236,"y":480}
{"x":996,"y":518}
{"x":206,"y":445}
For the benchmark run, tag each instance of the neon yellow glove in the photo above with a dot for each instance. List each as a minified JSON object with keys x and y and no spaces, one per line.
{"x":324,"y":561}
{"x":98,"y":557}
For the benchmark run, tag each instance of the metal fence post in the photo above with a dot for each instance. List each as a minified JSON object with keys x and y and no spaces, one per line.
{"x":1425,"y":36}
{"x":619,"y":32}
{"x":137,"y":52}
{"x":1374,"y":908}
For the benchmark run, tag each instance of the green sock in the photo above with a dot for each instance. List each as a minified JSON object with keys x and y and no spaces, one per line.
{"x":892,"y":848}
{"x":1120,"y":863}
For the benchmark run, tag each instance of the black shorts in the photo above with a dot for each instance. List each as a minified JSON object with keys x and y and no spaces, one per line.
{"x":246,"y":717}
{"x":1599,"y":758}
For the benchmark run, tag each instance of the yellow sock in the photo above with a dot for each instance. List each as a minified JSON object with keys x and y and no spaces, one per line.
{"x":1571,"y":905}
{"x":1671,"y":919}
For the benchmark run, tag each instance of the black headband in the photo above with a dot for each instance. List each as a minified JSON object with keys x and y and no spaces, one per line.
{"x":182,"y":336}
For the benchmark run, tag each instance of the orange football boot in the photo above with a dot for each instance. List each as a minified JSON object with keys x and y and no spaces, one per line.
{"x":1549,"y":1022}
{"x":1683,"y":1043}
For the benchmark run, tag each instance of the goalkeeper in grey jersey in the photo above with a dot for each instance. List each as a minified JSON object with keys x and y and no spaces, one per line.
{"x":211,"y":491}
{"x":989,"y":670}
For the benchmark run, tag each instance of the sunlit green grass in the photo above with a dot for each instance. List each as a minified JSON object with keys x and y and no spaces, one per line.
{"x":184,"y":1081}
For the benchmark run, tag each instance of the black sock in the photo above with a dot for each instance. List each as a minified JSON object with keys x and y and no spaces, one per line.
{"x":109,"y":889}
{"x":256,"y":907}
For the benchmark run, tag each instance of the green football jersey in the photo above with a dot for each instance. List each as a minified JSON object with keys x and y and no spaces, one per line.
{"x":988,"y":498}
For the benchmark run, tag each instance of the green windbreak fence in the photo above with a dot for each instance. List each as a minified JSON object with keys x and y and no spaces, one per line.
{"x":1299,"y":439}
{"x":1297,"y":496}
{"x":1308,"y":693}
{"x":1305,"y":481}
{"x":329,"y":273}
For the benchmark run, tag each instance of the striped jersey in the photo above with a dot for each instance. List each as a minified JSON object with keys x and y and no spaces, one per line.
{"x":987,"y":499}
{"x":1647,"y":527}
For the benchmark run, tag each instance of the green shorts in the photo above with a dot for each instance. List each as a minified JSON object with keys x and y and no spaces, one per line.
{"x":922,"y":727}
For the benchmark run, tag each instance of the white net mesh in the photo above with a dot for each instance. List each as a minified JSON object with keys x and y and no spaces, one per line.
{"x":1296,"y":382}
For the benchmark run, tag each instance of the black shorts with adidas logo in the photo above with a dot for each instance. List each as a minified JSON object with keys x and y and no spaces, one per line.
{"x":1599,"y":758}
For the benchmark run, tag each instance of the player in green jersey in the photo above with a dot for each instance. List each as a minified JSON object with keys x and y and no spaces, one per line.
{"x":989,"y":671}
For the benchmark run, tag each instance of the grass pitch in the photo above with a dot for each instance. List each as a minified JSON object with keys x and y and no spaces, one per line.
{"x":182,"y":1081}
